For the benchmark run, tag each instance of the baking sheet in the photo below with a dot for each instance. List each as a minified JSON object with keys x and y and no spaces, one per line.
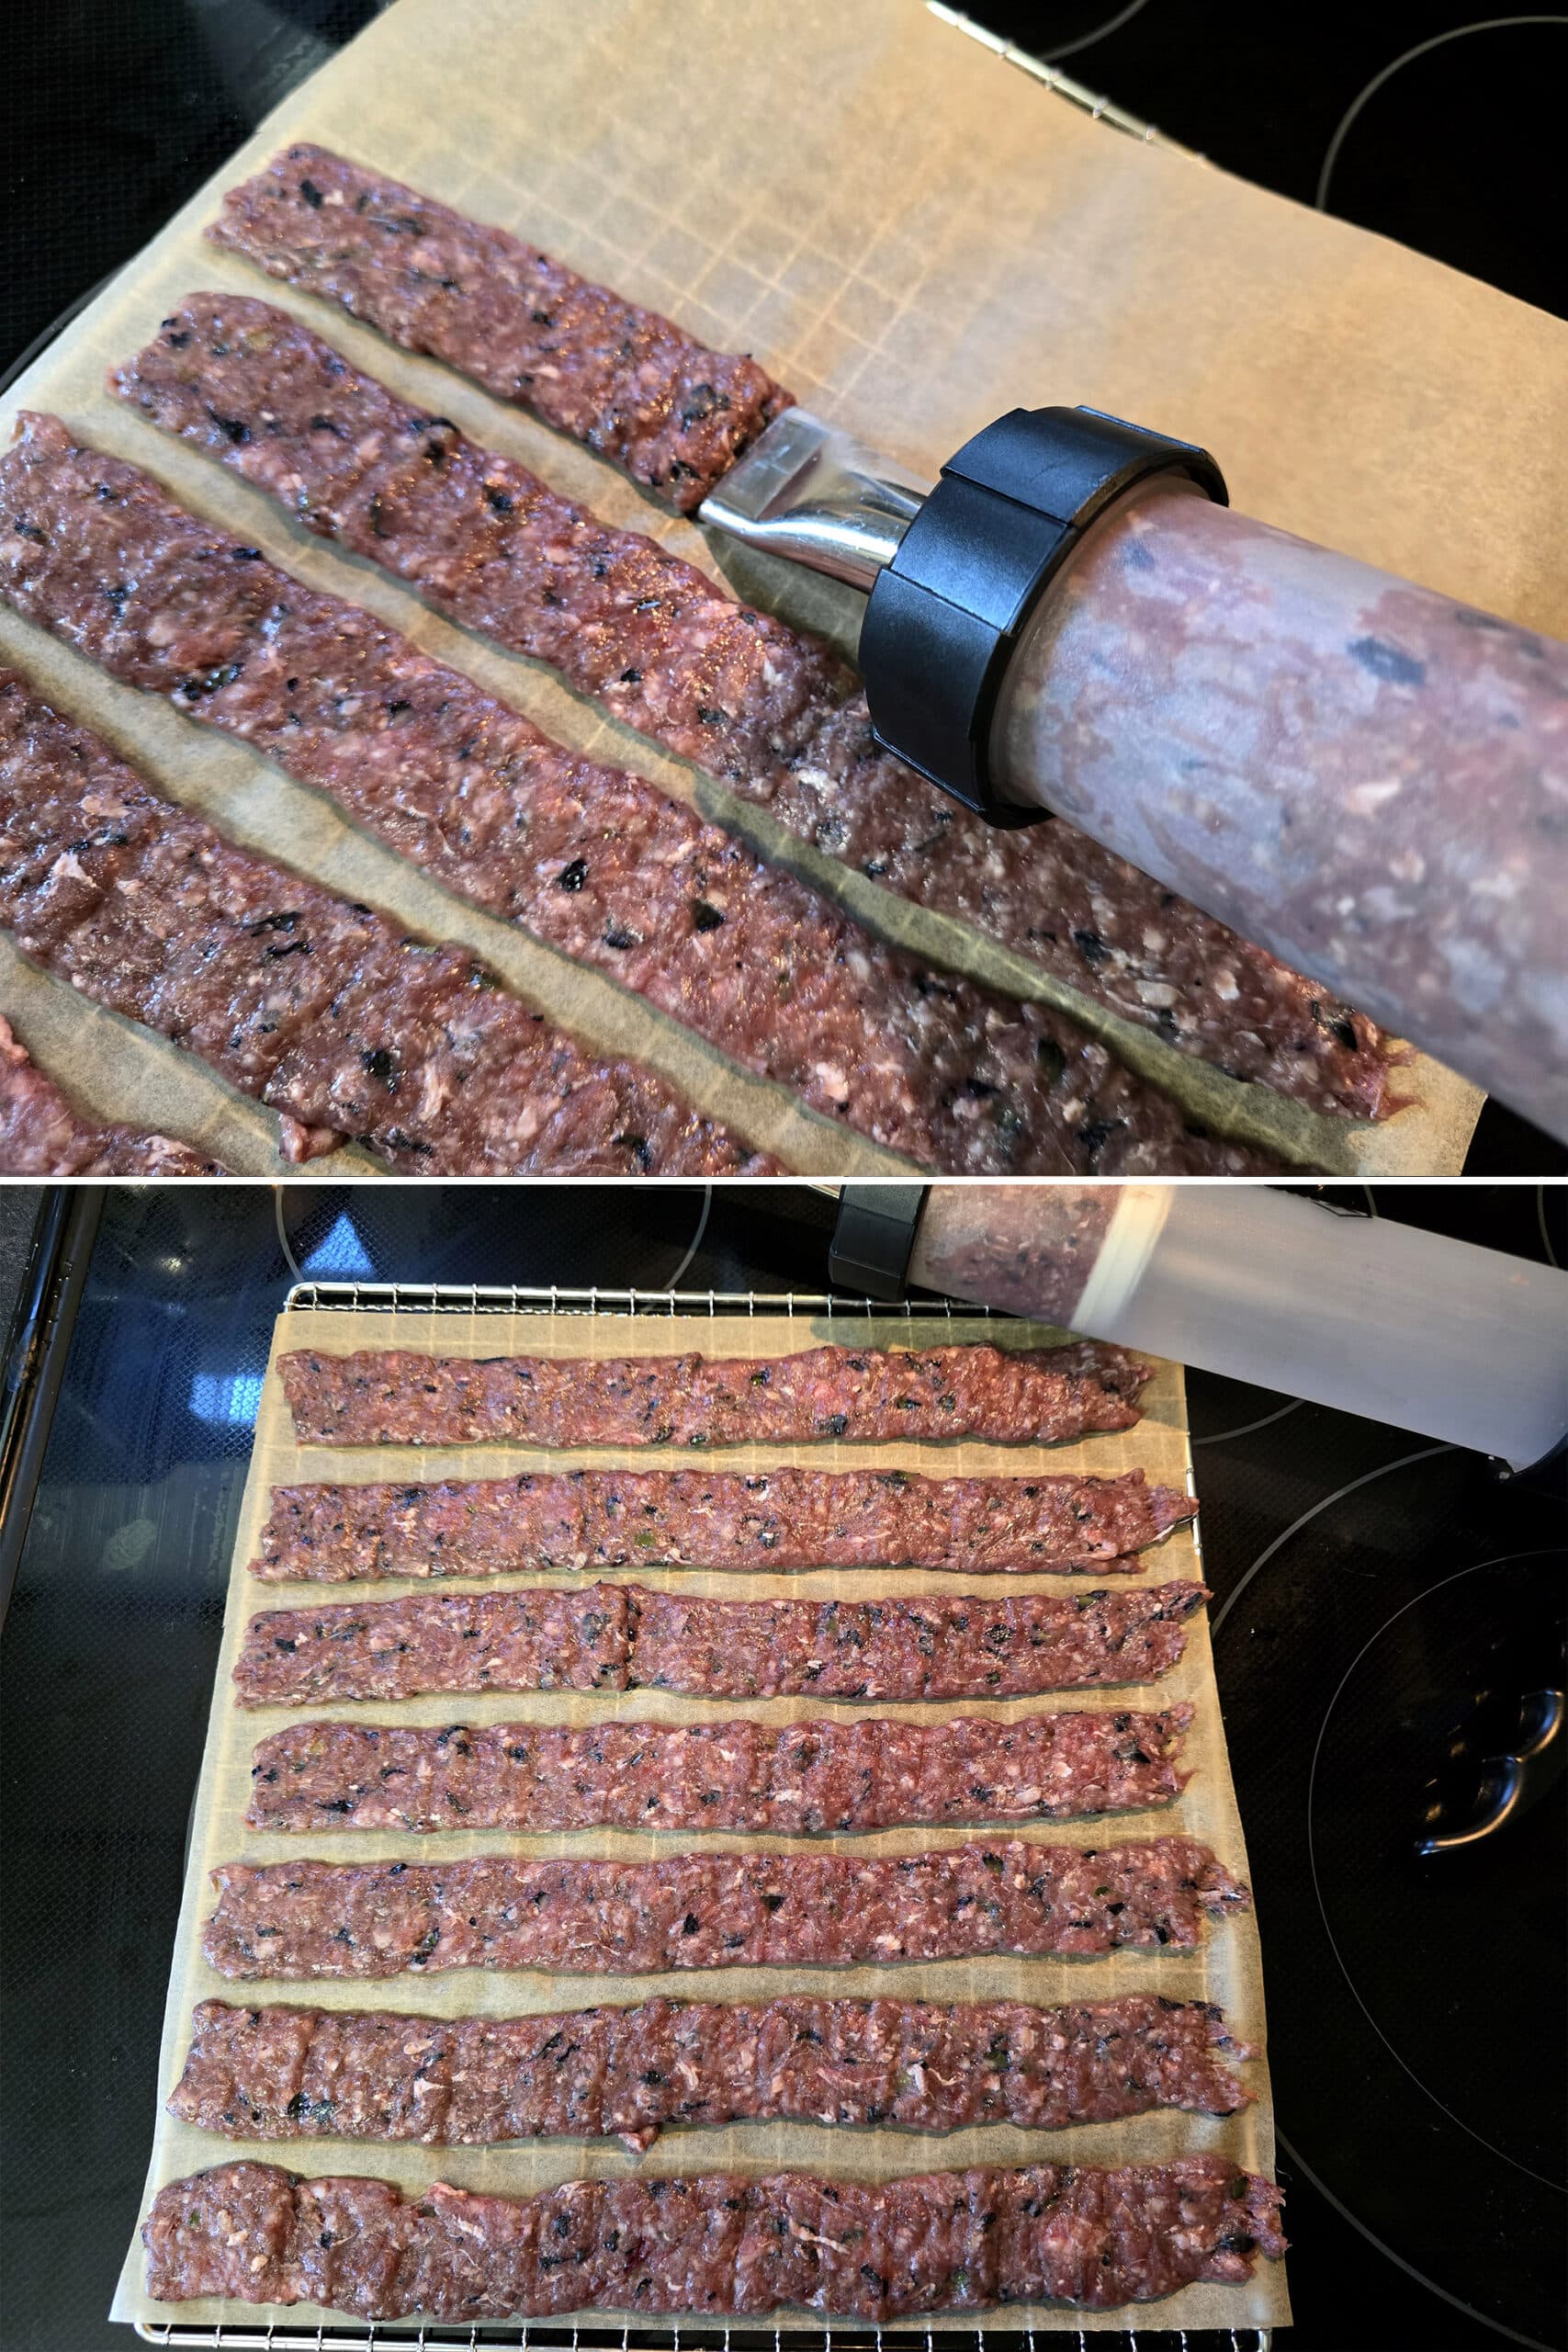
{"x":913,"y":236}
{"x":1226,"y":1969}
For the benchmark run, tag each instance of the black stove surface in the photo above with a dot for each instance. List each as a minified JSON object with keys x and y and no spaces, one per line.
{"x":1382,"y":1608}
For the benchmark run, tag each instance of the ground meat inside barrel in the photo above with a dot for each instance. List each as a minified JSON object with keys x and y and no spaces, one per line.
{"x":724,"y":1910}
{"x":620,"y":1637}
{"x":628,"y":384}
{"x":769,"y":712}
{"x":716,"y":2243}
{"x":595,"y":861}
{"x":1008,"y":1396}
{"x":41,"y":1135}
{"x":797,"y":1779}
{"x":291,"y":2073}
{"x":319,"y":1008}
{"x":596,"y":1520}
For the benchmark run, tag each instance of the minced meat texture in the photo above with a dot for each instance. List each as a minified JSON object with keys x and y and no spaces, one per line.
{"x":41,"y":1135}
{"x":390,"y":1397}
{"x":621,"y":1637}
{"x":596,"y":1520}
{"x":772,"y":714}
{"x":628,"y":383}
{"x":291,"y":2073}
{"x":595,"y":861}
{"x":717,"y":2243}
{"x":937,"y":1645}
{"x":1027,"y":1249}
{"x":793,"y":1781}
{"x":319,"y":1008}
{"x":724,"y":1910}
{"x":393,"y":1649}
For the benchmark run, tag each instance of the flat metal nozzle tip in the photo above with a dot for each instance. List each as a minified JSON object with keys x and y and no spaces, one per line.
{"x":811,"y":491}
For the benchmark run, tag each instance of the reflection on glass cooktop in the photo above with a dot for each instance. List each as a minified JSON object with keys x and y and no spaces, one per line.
{"x":1385,"y":1671}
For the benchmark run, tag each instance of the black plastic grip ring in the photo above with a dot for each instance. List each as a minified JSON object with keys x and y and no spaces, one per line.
{"x":874,"y":1238}
{"x":945,"y":617}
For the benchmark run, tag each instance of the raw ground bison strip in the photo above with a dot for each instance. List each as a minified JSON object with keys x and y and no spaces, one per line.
{"x":291,"y":2074}
{"x":620,"y":1637}
{"x":594,"y":1520}
{"x":717,"y":2243}
{"x":319,"y":1008}
{"x":42,"y":1135}
{"x":727,"y":1910}
{"x":392,"y":1397}
{"x":794,"y":1780}
{"x":770,"y":713}
{"x":595,"y":862}
{"x":631,"y":385}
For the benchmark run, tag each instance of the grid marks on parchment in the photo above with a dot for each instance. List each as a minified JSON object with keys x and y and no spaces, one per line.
{"x":1225,"y":1968}
{"x":799,"y":254}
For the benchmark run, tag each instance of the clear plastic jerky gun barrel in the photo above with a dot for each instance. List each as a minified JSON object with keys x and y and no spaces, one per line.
{"x":1364,"y":1313}
{"x":1365,"y":777}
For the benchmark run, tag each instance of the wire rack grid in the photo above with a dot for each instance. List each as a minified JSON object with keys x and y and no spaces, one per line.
{"x":550,"y":2335}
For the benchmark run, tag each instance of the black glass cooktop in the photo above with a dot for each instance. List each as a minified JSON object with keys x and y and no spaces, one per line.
{"x":1382,"y":1610}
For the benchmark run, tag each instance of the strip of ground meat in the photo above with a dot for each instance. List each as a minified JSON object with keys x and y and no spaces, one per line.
{"x":620,"y":1637}
{"x":321,"y":1009}
{"x":393,"y":1649}
{"x":727,"y":1910}
{"x":774,"y":714}
{"x":390,"y":1397}
{"x":290,"y":2074}
{"x":595,"y":861}
{"x":714,"y":2243}
{"x":624,"y":381}
{"x":41,"y":1135}
{"x":793,"y":1781}
{"x":596,"y":1520}
{"x":939,"y":1646}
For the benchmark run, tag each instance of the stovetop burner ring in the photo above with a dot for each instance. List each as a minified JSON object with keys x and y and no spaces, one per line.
{"x":1503,"y":1560}
{"x":1384,"y":1470}
{"x":1457,"y":2302}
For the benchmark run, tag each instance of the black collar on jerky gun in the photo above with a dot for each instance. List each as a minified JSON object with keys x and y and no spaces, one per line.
{"x":1357,"y":773}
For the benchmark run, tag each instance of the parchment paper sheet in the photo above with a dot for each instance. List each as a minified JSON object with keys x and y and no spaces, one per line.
{"x":1226,"y":1969}
{"x":913,"y":236}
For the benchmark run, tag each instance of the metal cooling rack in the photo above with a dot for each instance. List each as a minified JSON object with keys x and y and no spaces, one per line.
{"x":1100,"y":109}
{"x":551,"y":2336}
{"x":470,"y":1298}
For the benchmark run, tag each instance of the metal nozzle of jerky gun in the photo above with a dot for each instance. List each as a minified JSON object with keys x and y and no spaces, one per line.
{"x":812,"y":492}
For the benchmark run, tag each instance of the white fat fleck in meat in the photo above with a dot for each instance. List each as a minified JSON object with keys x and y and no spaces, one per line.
{"x":435,"y":1089}
{"x":1366,"y":800}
